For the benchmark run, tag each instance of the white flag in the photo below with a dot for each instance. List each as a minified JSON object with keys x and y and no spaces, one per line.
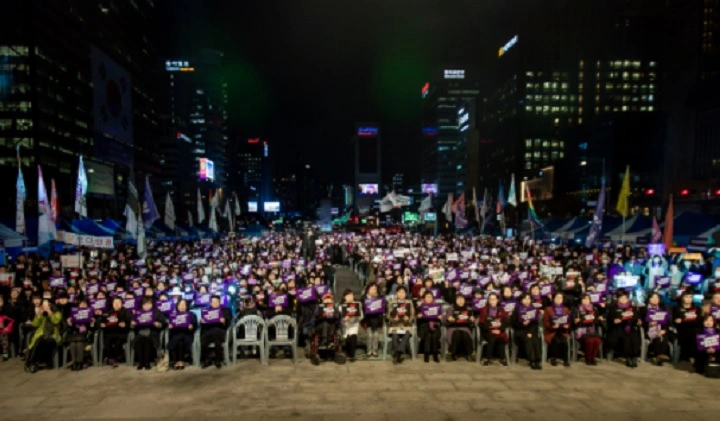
{"x":447,"y":208}
{"x":212,"y":224}
{"x":140,"y":236}
{"x":200,"y":208}
{"x":227,"y":213}
{"x":81,"y":190}
{"x":512,"y":197}
{"x":237,"y":206}
{"x":387,"y":203}
{"x":20,"y":197}
{"x":190,"y":221}
{"x":46,"y":229}
{"x":426,"y":204}
{"x":169,"y":212}
{"x":132,"y":209}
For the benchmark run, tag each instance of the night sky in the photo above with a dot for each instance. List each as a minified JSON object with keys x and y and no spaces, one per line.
{"x":301,"y":73}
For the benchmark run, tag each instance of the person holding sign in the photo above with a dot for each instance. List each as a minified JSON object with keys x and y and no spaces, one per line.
{"x":351,"y":313}
{"x":148,"y":323}
{"x":656,"y":321}
{"x":214,"y":323}
{"x":493,"y":322}
{"x":116,"y":326}
{"x":556,"y":321}
{"x":79,"y":332}
{"x":326,"y":320}
{"x":525,"y":323}
{"x":588,"y":319}
{"x":182,"y":324}
{"x":459,"y":318}
{"x":373,"y":318}
{"x":429,"y":326}
{"x":686,"y":319}
{"x":400,"y":316}
{"x":623,"y":328}
{"x":707,"y":345}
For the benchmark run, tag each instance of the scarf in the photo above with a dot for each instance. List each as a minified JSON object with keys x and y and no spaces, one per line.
{"x":709,"y":330}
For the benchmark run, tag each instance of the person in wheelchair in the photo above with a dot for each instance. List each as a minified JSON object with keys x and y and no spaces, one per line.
{"x":46,"y":337}
{"x":326,"y":322}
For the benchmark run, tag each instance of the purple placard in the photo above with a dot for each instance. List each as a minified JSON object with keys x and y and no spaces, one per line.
{"x":483,"y":280}
{"x":479,"y":303}
{"x":658,"y":316}
{"x":278,"y":300}
{"x":181,"y":320}
{"x":693,"y":278}
{"x":396,"y":266}
{"x":547,"y":290}
{"x":374,"y":306}
{"x":466,"y":290}
{"x":706,"y":342}
{"x":465,"y":275}
{"x":601,"y":287}
{"x":110,"y":285}
{"x":81,"y":315}
{"x":145,"y":318}
{"x":211,"y":315}
{"x":131,"y":303}
{"x":188,"y":277}
{"x":595,"y":297}
{"x":322,"y":289}
{"x":560,"y":320}
{"x":92,"y":289}
{"x":715,"y":312}
{"x":435,"y":292}
{"x":431,"y":311}
{"x":166,"y":306}
{"x":99,"y":304}
{"x":517,"y":293}
{"x":189,"y":295}
{"x":306,"y":295}
{"x":662,"y":281}
{"x":139,"y":291}
{"x":529,"y":314}
{"x":509,"y":306}
{"x":451,"y":275}
{"x":57,"y":282}
{"x":203,"y":300}
{"x":656,"y":249}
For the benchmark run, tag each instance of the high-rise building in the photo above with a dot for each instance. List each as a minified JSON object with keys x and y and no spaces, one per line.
{"x":442,"y":99}
{"x":196,"y":117}
{"x":398,"y":182}
{"x":367,"y":163}
{"x":76,"y":80}
{"x":252,"y":172}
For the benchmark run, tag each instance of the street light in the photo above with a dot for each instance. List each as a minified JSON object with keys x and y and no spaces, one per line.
{"x":583,"y":163}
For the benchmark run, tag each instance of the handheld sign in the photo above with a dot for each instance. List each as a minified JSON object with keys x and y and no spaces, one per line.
{"x":306,"y":295}
{"x":81,"y":315}
{"x":374,"y":306}
{"x":211,"y":315}
{"x":431,"y":311}
{"x":658,"y":316}
{"x":278,"y":300}
{"x":181,"y":320}
{"x":145,"y":318}
{"x":166,"y":306}
{"x":706,"y":342}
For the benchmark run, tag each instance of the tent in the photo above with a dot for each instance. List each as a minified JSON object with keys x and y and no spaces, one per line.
{"x":10,"y":238}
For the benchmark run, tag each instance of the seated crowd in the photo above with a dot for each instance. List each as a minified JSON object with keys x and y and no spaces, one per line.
{"x":476,"y":298}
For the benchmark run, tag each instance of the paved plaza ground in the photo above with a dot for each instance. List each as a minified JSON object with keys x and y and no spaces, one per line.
{"x":365,"y":390}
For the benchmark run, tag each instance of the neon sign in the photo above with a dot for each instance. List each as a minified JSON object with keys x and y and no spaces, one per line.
{"x":454,"y":74}
{"x":430,"y":131}
{"x":367,"y":131}
{"x":254,"y":140}
{"x":508,"y":45}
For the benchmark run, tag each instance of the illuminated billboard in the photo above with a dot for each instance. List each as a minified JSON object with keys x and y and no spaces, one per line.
{"x":271,"y":206}
{"x":368,"y":188}
{"x":368,"y":131}
{"x":178,"y":66}
{"x":429,"y":188}
{"x":207,"y":169}
{"x":454,"y":74}
{"x":252,"y":206}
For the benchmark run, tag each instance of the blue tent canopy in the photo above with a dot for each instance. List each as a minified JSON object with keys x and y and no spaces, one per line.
{"x":90,"y":227}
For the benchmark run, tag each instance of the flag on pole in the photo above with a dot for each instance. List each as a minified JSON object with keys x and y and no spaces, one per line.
{"x":475,"y":206}
{"x":214,"y":204}
{"x":512,"y":197}
{"x":501,"y":199}
{"x":656,"y":235}
{"x":532,"y":215}
{"x":623,"y":205}
{"x":228,"y":214}
{"x":132,"y":210}
{"x":426,"y":204}
{"x":668,"y":233}
{"x":54,"y":207}
{"x":169,"y":212}
{"x":387,"y":203}
{"x":596,"y":227}
{"x":21,"y":195}
{"x":81,"y":190}
{"x":46,"y":229}
{"x":140,"y":236}
{"x":190,"y":221}
{"x":150,"y":212}
{"x":200,"y":208}
{"x":459,"y":210}
{"x":237,"y":205}
{"x":484,"y":209}
{"x":448,"y":207}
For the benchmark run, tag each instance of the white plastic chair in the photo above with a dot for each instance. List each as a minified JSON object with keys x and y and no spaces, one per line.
{"x":480,"y":345}
{"x":253,"y":326}
{"x":282,"y":325}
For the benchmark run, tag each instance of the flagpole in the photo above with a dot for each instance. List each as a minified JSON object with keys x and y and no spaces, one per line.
{"x":17,"y":151}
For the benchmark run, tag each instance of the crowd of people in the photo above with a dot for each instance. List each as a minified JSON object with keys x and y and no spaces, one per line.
{"x":453,"y":296}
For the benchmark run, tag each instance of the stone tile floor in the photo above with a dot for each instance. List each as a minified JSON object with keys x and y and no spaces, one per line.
{"x":368,"y":390}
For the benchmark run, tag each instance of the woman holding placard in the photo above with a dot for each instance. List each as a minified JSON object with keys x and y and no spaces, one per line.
{"x":182,"y":324}
{"x":493,"y":322}
{"x":623,"y":321}
{"x":78,"y":333}
{"x":429,"y":326}
{"x":400,"y":315}
{"x":708,"y":345}
{"x":686,"y":319}
{"x":656,"y":321}
{"x":374,"y":310}
{"x":525,"y":323}
{"x":587,"y":320}
{"x":556,"y":321}
{"x":148,"y":323}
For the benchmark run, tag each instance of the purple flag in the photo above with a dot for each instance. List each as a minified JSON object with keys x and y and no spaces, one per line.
{"x":596,"y":226}
{"x":656,"y":236}
{"x":150,"y":213}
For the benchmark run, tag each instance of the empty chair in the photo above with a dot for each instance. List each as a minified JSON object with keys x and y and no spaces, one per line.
{"x":254,"y":334}
{"x":285,"y":334}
